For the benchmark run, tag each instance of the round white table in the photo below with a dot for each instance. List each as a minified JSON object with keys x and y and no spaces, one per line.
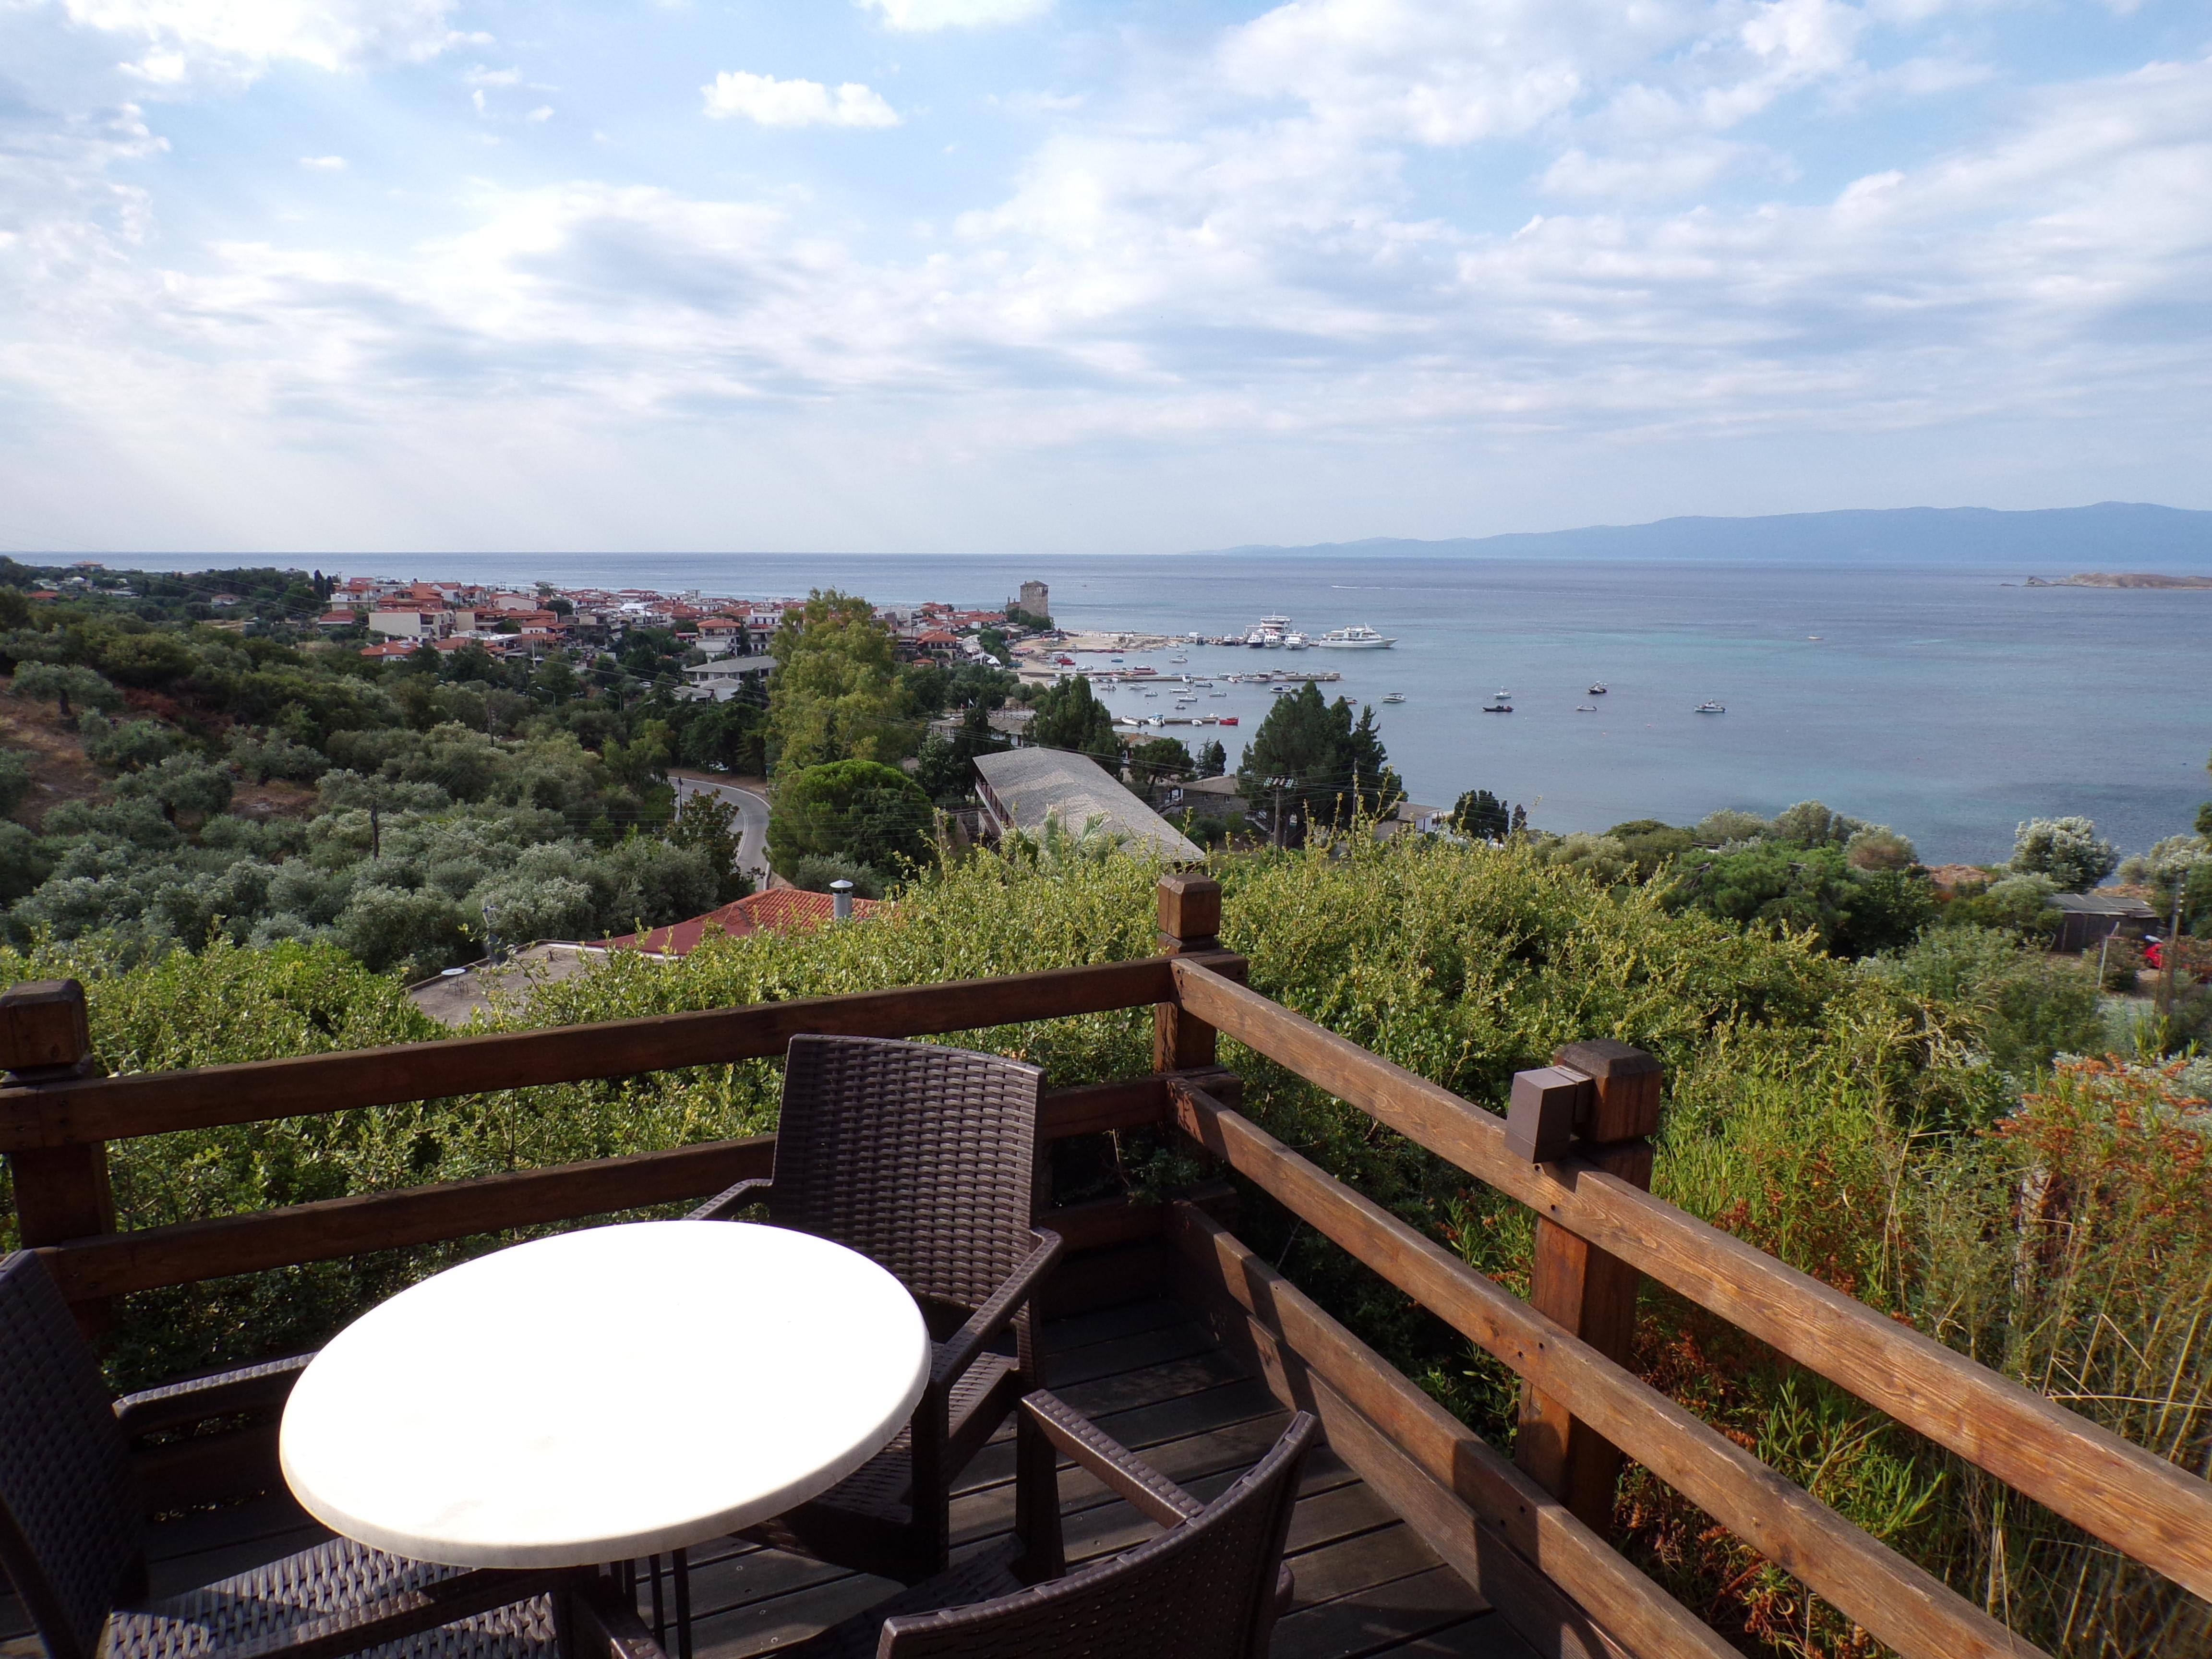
{"x":603,"y":1395}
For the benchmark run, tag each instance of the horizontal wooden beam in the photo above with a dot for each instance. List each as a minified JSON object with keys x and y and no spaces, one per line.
{"x":2134,"y":1500}
{"x":71,"y":1111}
{"x":1898,"y":1602}
{"x":1561,"y":1585}
{"x":116,"y":1264}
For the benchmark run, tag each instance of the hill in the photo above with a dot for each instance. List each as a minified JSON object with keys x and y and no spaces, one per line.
{"x":2111,"y":534}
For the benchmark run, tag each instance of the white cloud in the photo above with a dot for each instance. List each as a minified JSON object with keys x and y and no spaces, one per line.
{"x":543,"y":113}
{"x":324,"y":163}
{"x":235,"y":41}
{"x":775,"y":103}
{"x":920,"y":16}
{"x":478,"y":75}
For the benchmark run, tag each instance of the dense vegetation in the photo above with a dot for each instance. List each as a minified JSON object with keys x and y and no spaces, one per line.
{"x":1873,"y":1123}
{"x":173,"y":782}
{"x":241,"y":840}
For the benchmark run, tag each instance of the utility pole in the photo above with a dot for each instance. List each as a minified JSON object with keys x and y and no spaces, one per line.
{"x":2173,"y":950}
{"x":1275,"y":819}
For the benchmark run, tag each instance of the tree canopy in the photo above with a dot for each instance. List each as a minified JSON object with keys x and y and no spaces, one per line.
{"x":835,"y":693}
{"x":1336,"y":767}
{"x":858,"y":810}
{"x":1068,"y":716}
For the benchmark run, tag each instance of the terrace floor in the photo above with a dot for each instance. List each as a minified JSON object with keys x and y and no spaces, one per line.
{"x":1151,"y":1377}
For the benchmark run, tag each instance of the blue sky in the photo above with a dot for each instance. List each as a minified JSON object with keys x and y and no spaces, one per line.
{"x":1000,"y":276}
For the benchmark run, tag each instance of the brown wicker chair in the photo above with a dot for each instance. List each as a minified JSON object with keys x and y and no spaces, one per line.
{"x":1210,"y":1587}
{"x":72,"y":1539}
{"x":922,"y":1158}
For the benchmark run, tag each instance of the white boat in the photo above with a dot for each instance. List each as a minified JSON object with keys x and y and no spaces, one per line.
{"x":1586,"y":708}
{"x":1294,"y":641}
{"x":1216,"y":694}
{"x":1394,"y":696}
{"x":1357,"y":637}
{"x":1178,"y":658}
{"x":1598,"y":690}
{"x":1270,"y":632}
{"x":1709,"y":709}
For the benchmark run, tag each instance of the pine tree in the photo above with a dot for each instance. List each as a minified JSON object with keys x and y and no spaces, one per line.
{"x":1335,"y":769}
{"x":1069,"y":717}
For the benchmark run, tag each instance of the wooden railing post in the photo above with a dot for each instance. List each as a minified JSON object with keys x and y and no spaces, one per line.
{"x":61,"y":1192}
{"x":1190,"y":923}
{"x":1590,"y":1292}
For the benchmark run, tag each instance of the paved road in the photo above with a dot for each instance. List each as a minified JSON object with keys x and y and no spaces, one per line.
{"x":752,"y":818}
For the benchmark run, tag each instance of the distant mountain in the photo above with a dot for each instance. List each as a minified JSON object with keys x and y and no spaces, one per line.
{"x":2110,"y":535}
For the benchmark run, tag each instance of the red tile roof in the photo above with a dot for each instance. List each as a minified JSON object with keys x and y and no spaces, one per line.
{"x":774,"y":910}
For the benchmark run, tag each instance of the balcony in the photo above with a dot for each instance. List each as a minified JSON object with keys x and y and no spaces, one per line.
{"x":1411,"y":1534}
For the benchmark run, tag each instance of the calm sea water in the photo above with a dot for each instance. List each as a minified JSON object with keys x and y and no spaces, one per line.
{"x":1937,"y":700}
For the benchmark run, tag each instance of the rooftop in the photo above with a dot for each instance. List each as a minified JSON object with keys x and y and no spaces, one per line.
{"x":1025,"y":788}
{"x":773,"y":909}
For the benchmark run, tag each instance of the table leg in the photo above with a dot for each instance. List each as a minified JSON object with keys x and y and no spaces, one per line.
{"x":683,"y":1573}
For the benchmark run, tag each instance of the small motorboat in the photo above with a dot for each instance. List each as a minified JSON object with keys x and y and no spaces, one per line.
{"x":1586,"y":708}
{"x":1178,"y":658}
{"x":1498,"y":708}
{"x":1394,"y":696}
{"x":1710,"y":709}
{"x":1229,"y":720}
{"x":1812,"y":636}
{"x":1598,"y":690}
{"x":1502,"y":696}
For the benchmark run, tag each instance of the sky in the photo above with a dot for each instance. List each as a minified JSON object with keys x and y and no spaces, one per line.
{"x":1042,"y":276}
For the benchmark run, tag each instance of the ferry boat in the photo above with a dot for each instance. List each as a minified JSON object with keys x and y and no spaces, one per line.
{"x":1394,"y":696}
{"x":1357,"y":637}
{"x":1268,"y":635}
{"x":1709,"y":709}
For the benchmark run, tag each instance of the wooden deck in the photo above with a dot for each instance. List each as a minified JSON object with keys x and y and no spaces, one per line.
{"x":1151,"y":1377}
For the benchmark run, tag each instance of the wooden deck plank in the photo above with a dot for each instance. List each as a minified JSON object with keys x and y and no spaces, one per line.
{"x":1152,"y":1377}
{"x":1485,"y":1636}
{"x":1375,"y":1617}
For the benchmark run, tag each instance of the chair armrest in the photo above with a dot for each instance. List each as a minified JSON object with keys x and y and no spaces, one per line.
{"x":954,"y":1359}
{"x":218,"y":1394}
{"x":1154,"y":1496}
{"x":726,"y":1204}
{"x":411,"y":1613}
{"x":1286,"y":1589}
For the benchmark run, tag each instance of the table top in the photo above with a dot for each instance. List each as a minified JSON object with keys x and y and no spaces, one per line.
{"x":605,"y":1395}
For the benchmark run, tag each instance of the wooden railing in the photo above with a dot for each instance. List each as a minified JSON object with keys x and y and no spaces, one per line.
{"x":1529,"y":1534}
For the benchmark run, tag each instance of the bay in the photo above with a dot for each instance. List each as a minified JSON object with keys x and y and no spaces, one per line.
{"x":1942,"y":699}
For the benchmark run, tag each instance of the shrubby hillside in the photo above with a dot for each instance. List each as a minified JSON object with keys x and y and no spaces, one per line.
{"x":174,"y":784}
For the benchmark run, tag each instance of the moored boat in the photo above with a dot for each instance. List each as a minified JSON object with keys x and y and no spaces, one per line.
{"x":1356,"y":637}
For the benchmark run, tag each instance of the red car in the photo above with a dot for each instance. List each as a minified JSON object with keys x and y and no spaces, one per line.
{"x":2153,"y":953}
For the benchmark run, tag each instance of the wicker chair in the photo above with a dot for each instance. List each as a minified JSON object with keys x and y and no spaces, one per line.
{"x":72,"y":1539}
{"x":1210,"y":1587}
{"x":922,"y":1158}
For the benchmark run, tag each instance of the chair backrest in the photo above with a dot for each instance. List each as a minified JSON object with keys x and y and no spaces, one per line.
{"x":70,"y":1537}
{"x":1205,"y":1589}
{"x":918,"y":1156}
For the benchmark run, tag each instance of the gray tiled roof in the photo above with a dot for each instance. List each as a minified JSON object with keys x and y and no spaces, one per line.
{"x":1033,"y":785}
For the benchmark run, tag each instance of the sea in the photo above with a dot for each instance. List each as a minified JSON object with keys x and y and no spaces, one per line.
{"x":1950,"y":702}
